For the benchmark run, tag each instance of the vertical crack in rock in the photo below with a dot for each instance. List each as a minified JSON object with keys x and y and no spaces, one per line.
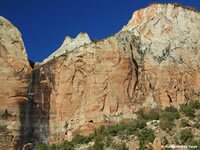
{"x":28,"y":111}
{"x":132,"y":77}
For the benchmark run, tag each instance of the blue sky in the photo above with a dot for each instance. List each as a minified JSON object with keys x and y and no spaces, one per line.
{"x":45,"y":23}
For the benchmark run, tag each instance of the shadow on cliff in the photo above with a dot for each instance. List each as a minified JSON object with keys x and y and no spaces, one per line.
{"x":34,"y":113}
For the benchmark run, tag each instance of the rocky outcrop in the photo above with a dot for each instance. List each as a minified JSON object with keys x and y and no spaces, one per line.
{"x":169,"y":52}
{"x":153,"y":62}
{"x":14,"y":78}
{"x":90,"y":86}
{"x":69,"y":44}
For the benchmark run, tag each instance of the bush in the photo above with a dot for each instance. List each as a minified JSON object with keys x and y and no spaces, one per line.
{"x":116,"y":129}
{"x":139,"y":124}
{"x":98,"y":144}
{"x":170,"y":113}
{"x":165,"y":141}
{"x":188,"y":110}
{"x":184,"y":123}
{"x":194,"y":143}
{"x":65,"y":146}
{"x":42,"y":147}
{"x":186,"y":135}
{"x":79,"y":139}
{"x":108,"y":141}
{"x":146,"y":135}
{"x":171,"y":109}
{"x":167,"y":118}
{"x":120,"y":146}
{"x":166,"y":124}
{"x":195,"y":105}
{"x":151,"y":115}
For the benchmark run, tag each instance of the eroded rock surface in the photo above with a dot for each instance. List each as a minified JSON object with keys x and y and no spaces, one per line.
{"x":90,"y":86}
{"x":69,"y":44}
{"x":169,"y":54}
{"x":14,"y":80}
{"x":153,"y":62}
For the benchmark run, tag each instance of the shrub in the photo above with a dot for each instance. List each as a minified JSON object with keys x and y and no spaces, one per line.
{"x":146,"y":135}
{"x":186,"y":135}
{"x":79,"y":139}
{"x":170,"y":113}
{"x":165,"y":141}
{"x":166,"y":124}
{"x":42,"y":147}
{"x":98,"y":144}
{"x":195,"y":105}
{"x":121,"y":146}
{"x":184,"y":123}
{"x":116,"y":129}
{"x":171,"y":109}
{"x":151,"y":115}
{"x":139,"y":124}
{"x":108,"y":141}
{"x":188,"y":110}
{"x":194,"y":143}
{"x":65,"y":146}
{"x":167,"y":117}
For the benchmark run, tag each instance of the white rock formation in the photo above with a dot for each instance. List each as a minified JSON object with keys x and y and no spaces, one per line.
{"x":69,"y":44}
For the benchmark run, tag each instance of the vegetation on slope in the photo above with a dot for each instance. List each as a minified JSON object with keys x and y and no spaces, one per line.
{"x":171,"y":125}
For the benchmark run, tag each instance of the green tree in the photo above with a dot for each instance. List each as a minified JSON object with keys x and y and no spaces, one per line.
{"x":186,"y":135}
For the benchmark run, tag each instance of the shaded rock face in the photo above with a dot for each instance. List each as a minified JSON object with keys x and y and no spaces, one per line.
{"x":153,"y":62}
{"x":14,"y":80}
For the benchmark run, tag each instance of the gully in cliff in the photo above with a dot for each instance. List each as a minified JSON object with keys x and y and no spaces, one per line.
{"x":28,"y":111}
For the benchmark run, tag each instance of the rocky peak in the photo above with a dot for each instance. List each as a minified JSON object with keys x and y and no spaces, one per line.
{"x":14,"y":80}
{"x":70,"y":44}
{"x":170,"y":12}
{"x":10,"y":39}
{"x":168,"y":33}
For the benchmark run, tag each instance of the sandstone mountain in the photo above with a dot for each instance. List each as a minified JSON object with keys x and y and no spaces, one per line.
{"x":70,"y":44}
{"x":153,"y":62}
{"x":14,"y":81}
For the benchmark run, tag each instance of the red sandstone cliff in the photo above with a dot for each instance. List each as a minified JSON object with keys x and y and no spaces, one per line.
{"x":14,"y":79}
{"x":153,"y":62}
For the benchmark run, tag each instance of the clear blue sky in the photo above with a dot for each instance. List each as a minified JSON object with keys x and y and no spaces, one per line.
{"x":45,"y":23}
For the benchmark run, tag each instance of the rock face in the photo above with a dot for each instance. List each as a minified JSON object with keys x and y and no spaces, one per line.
{"x":169,"y":54}
{"x":14,"y":78}
{"x":153,"y":62}
{"x":70,"y":44}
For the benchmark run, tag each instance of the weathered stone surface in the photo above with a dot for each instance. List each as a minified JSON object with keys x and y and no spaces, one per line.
{"x":153,"y":62}
{"x":14,"y":78}
{"x":157,"y":145}
{"x":70,"y":44}
{"x":169,"y":54}
{"x":93,"y":85}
